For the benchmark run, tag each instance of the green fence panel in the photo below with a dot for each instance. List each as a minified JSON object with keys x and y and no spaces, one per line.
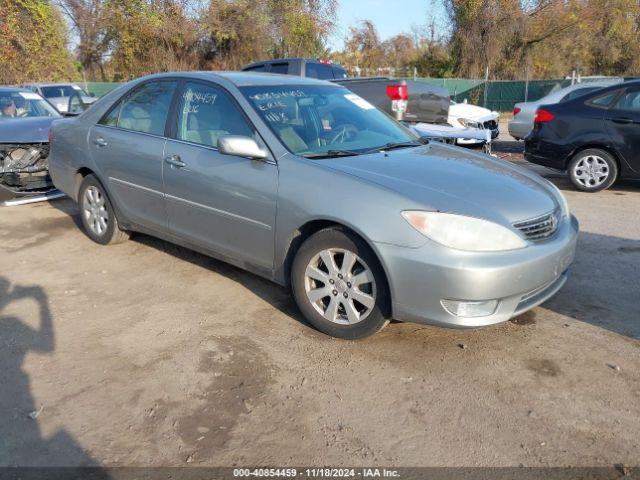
{"x":100,"y":88}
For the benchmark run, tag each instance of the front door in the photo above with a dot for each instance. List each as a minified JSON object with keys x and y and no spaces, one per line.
{"x":127,"y":145}
{"x":623,"y":126}
{"x":221,"y":202}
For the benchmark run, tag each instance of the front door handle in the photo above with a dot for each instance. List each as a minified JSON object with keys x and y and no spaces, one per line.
{"x":100,"y":142}
{"x":175,"y":161}
{"x":624,"y":120}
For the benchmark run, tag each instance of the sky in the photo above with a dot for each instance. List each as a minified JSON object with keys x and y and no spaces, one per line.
{"x":389,"y":16}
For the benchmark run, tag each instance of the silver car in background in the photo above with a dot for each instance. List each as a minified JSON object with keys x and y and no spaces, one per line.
{"x":60,"y":94}
{"x":523,"y":113}
{"x":307,"y":184}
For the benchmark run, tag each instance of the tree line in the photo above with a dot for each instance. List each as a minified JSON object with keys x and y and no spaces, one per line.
{"x":117,"y":40}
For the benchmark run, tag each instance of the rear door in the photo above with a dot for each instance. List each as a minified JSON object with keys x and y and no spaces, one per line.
{"x":623,"y":125}
{"x":224,"y":203}
{"x":128,"y":144}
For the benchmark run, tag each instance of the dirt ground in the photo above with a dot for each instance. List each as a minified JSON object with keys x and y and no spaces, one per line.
{"x":148,"y":354}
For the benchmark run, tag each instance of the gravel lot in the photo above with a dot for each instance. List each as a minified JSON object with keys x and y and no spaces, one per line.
{"x":148,"y":354}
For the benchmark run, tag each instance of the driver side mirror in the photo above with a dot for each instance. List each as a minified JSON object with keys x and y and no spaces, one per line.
{"x":241,"y":146}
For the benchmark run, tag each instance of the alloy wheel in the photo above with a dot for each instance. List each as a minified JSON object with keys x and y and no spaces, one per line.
{"x":95,"y":210}
{"x":340,"y":286}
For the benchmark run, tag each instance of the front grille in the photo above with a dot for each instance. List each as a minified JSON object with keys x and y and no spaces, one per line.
{"x":539,"y":228}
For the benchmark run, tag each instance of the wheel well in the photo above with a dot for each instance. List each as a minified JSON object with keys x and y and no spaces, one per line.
{"x":308,"y":229}
{"x":80,"y":175}
{"x":613,"y":154}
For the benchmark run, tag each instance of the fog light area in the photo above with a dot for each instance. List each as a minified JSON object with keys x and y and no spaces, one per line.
{"x":461,"y":308}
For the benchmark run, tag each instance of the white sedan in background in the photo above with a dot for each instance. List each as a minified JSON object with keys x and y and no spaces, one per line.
{"x":465,"y":115}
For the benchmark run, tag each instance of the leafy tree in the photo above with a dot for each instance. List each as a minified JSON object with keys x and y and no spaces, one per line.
{"x":88,"y":21}
{"x":33,"y":43}
{"x":149,"y":36}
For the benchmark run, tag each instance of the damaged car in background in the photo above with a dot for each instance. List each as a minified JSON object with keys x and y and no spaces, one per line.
{"x":25,"y":121}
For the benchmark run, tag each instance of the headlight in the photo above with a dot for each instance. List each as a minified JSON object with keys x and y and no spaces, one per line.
{"x":463,"y":122}
{"x":464,"y":233}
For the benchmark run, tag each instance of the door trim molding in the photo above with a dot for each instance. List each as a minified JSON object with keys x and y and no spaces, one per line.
{"x":218,"y":211}
{"x":134,"y":185}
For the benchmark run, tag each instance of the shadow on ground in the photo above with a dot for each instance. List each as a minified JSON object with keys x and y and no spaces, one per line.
{"x":22,"y":443}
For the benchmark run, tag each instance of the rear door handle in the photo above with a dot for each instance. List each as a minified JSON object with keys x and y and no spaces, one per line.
{"x":100,"y":142}
{"x":175,"y":161}
{"x":622,"y":120}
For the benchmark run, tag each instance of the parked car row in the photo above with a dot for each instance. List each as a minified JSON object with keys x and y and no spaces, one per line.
{"x":313,"y":186}
{"x":308,"y":184}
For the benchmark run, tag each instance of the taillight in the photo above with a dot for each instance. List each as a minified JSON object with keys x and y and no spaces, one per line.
{"x":398,"y":92}
{"x":543,"y":116}
{"x":50,"y":136}
{"x":516,"y":110}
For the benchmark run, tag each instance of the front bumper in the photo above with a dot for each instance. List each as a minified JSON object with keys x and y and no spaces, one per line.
{"x":520,"y":279}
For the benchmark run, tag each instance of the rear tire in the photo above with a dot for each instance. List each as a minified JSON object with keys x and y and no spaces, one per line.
{"x":339,"y":285}
{"x":592,"y":170}
{"x":97,"y":214}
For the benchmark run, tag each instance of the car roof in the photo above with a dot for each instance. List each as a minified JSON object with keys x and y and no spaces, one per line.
{"x":58,"y":84}
{"x":246,"y":79}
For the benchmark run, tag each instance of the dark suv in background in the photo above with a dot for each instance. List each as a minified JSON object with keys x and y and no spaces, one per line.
{"x":595,"y":138}
{"x":301,"y":67}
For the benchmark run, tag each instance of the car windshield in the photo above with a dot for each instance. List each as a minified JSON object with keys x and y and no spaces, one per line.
{"x":320,"y":120}
{"x":24,"y":104}
{"x":58,"y":91}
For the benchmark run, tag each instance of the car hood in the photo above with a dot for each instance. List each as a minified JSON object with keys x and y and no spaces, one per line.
{"x":439,"y":177}
{"x":26,"y":130}
{"x":472,"y":112}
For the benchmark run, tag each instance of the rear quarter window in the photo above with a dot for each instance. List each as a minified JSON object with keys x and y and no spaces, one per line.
{"x":604,"y":100}
{"x":319,"y":71}
{"x":282,"y":68}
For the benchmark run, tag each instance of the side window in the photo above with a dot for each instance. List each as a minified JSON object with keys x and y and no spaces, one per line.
{"x":578,"y":92}
{"x":207,"y":113}
{"x":279,"y":68}
{"x":319,"y":71}
{"x":629,"y":101}
{"x":145,"y":110}
{"x":339,"y":72}
{"x":603,"y":101}
{"x":111,"y":118}
{"x":257,"y":68}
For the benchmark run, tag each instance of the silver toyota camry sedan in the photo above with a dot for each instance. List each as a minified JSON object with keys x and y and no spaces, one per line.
{"x":307,"y":184}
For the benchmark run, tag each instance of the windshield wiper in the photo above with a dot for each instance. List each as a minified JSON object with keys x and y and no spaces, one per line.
{"x":394,"y":145}
{"x":333,"y":154}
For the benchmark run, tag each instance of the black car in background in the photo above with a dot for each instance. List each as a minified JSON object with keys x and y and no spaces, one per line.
{"x":595,"y":138}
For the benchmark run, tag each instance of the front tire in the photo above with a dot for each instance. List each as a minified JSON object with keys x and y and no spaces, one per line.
{"x":97,"y":214}
{"x":592,"y":170}
{"x":339,"y":285}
